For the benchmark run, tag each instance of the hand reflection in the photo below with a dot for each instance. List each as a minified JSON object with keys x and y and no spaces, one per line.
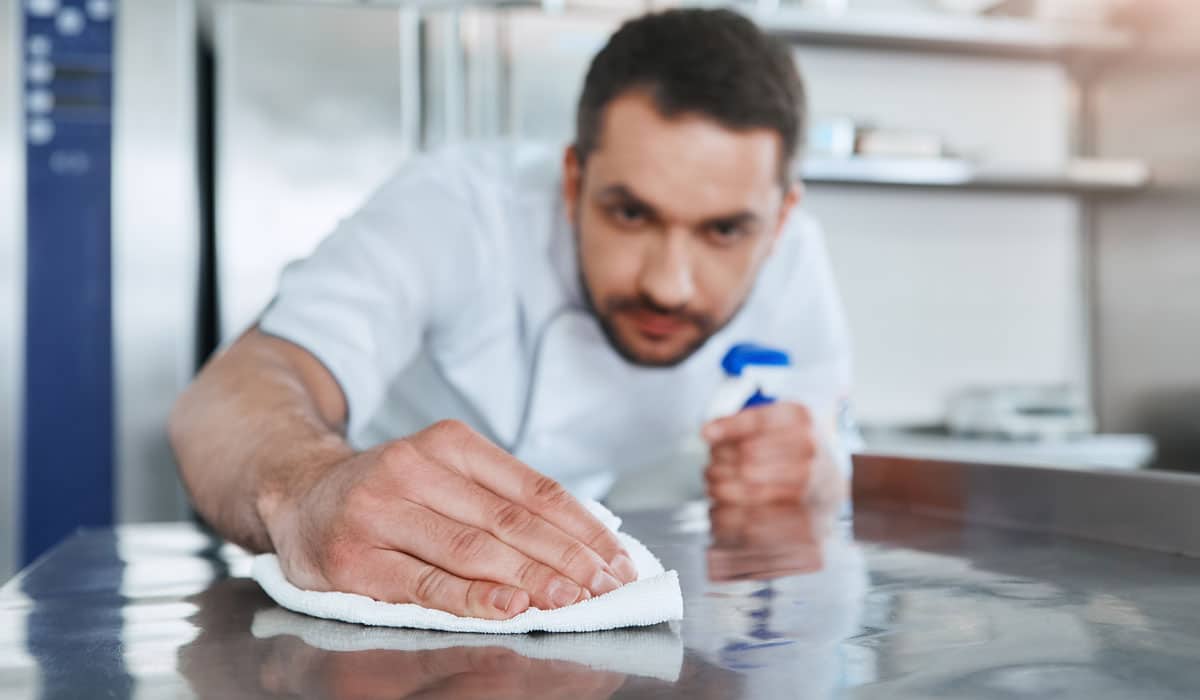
{"x":249,"y":648}
{"x":295,"y":669}
{"x":766,"y":542}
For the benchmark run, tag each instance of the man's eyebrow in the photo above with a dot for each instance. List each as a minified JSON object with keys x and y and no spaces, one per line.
{"x":741,"y":218}
{"x":622,"y":193}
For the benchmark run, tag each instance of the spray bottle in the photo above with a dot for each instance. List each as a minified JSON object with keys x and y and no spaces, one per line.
{"x":754,"y":376}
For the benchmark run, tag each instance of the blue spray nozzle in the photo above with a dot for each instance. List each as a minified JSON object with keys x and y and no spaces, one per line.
{"x":745,"y":355}
{"x":758,"y":399}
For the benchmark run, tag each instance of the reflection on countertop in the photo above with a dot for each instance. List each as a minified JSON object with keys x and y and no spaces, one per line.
{"x":779,"y":602}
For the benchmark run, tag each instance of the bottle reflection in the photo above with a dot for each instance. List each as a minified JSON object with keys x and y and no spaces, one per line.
{"x":786,"y":588}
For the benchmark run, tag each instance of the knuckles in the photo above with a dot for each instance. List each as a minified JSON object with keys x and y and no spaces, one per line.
{"x":547,"y":492}
{"x":426,"y":584}
{"x":337,"y":562}
{"x":512,"y":519}
{"x":799,"y":414}
{"x":468,"y":544}
{"x":399,"y":455}
{"x":446,"y":435}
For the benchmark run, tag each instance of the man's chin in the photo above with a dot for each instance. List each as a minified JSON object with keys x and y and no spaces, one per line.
{"x":654,"y":352}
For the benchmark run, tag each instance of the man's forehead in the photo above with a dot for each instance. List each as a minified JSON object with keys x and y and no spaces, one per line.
{"x":688,"y":163}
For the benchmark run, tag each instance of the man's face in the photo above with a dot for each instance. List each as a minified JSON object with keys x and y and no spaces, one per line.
{"x":675,"y":217}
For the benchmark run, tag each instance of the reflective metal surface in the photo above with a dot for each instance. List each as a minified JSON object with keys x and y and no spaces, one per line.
{"x":155,"y":248}
{"x":12,"y":274}
{"x":1148,"y":510}
{"x":1147,"y":287}
{"x":316,"y":105}
{"x":779,"y":603}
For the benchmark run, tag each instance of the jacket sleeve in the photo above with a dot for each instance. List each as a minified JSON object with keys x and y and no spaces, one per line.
{"x":381,"y":283}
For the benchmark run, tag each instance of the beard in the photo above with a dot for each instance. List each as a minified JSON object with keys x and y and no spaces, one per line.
{"x":706,"y":325}
{"x":703,"y":324}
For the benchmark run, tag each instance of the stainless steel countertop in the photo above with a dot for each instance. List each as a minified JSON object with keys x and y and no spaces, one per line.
{"x":890,"y":606}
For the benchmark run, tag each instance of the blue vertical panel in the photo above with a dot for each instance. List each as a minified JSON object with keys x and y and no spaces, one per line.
{"x":68,"y":420}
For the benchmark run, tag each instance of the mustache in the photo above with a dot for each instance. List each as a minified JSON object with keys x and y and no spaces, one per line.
{"x":615,"y":305}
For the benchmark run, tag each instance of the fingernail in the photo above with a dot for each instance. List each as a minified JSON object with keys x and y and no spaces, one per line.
{"x":623,"y":566}
{"x":603,"y":583}
{"x":503,"y":598}
{"x":563,"y":592}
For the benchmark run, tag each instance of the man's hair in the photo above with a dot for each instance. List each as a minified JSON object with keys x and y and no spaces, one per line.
{"x":714,"y":63}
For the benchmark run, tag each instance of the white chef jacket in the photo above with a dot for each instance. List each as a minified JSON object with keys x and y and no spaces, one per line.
{"x":454,"y":292}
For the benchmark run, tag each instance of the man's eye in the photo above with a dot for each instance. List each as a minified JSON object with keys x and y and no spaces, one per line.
{"x":727,"y":230}
{"x":628,"y":214}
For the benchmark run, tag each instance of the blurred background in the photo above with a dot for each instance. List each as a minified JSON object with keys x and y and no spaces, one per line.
{"x":1010,"y":190}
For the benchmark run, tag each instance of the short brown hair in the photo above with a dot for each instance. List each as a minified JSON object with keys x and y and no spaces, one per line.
{"x":713,"y":62}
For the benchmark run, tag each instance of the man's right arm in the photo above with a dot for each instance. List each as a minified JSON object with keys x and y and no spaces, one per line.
{"x":261,"y":420}
{"x":442,"y":518}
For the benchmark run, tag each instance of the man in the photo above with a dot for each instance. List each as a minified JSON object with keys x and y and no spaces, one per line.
{"x":493,"y":332}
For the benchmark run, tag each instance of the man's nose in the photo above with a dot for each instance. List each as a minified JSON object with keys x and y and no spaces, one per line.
{"x":666,"y":277}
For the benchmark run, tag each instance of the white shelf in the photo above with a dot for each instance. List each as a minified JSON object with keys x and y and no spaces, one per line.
{"x":918,"y":31}
{"x":998,"y":36}
{"x":1081,"y":176}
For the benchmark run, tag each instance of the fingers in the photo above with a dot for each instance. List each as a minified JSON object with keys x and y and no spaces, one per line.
{"x":757,"y":420}
{"x":453,"y":495}
{"x":743,"y":563}
{"x":741,"y":492}
{"x":759,"y":459}
{"x":396,"y":577}
{"x":761,"y":455}
{"x":764,"y":460}
{"x":508,"y":478}
{"x":473,"y":553}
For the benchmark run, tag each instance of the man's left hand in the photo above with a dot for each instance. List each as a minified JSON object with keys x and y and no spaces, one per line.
{"x":770,"y":454}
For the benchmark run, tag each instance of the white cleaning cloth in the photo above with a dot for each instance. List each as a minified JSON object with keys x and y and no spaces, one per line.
{"x":653,"y":598}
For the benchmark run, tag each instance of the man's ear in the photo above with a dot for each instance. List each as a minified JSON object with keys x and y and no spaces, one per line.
{"x":791,"y":199}
{"x":572,"y":184}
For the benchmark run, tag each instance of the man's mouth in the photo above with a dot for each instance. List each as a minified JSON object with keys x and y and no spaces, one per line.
{"x":657,"y":326}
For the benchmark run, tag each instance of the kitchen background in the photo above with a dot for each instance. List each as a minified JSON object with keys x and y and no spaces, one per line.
{"x":1010,"y":190}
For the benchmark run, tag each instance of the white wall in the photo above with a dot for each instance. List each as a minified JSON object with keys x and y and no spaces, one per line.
{"x":951,"y":290}
{"x":946,"y":289}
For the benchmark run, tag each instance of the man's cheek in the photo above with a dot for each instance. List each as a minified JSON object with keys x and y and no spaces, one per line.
{"x":721,"y":287}
{"x":612,"y":263}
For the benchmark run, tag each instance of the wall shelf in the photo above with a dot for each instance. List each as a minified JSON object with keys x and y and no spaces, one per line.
{"x":914,"y":31}
{"x":1080,"y":176}
{"x":985,"y":36}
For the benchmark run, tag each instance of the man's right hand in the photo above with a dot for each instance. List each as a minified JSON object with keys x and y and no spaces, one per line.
{"x":447,"y":520}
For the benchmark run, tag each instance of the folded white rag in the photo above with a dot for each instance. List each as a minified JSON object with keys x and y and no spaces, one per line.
{"x":653,"y":598}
